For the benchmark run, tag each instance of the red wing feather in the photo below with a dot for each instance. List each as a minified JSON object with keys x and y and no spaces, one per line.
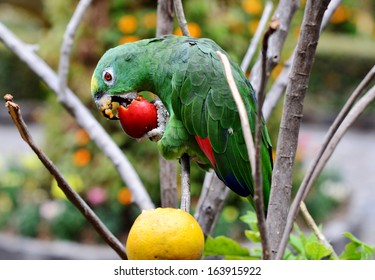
{"x":205,"y":145}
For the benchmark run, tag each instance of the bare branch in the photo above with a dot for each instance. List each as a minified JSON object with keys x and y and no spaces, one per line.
{"x":345,"y":118}
{"x":312,"y":174}
{"x":258,"y":180}
{"x":241,"y":110}
{"x":257,"y":36}
{"x":290,"y":122}
{"x":168,"y":183}
{"x":82,"y":115}
{"x":284,"y":13}
{"x":274,"y":95}
{"x":211,"y":202}
{"x":71,"y":194}
{"x":279,"y":86}
{"x":164,"y":17}
{"x":181,"y":17}
{"x":184,"y":160}
{"x":168,"y":179}
{"x":329,"y":12}
{"x":67,"y":44}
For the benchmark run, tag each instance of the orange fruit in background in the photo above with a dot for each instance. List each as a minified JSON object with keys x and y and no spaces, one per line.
{"x":165,"y":234}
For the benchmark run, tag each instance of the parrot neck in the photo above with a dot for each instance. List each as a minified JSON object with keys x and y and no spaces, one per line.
{"x":161,"y":73}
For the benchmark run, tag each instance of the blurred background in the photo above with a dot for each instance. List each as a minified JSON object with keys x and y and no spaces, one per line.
{"x":36,"y":220}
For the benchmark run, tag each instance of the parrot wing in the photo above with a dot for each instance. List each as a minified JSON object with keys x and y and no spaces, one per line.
{"x":204,"y":104}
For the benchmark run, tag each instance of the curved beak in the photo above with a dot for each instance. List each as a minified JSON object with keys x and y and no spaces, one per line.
{"x":108,"y":104}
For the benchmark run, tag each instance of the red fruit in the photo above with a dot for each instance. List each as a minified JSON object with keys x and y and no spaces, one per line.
{"x":138,"y":118}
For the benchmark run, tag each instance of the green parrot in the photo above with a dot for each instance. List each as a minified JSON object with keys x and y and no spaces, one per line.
{"x":196,"y":112}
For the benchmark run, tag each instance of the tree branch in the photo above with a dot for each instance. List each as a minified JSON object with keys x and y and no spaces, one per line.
{"x":257,"y":36}
{"x":168,"y":179}
{"x":168,"y":183}
{"x":71,"y":194}
{"x":82,"y":115}
{"x":346,"y":117}
{"x":290,"y":122}
{"x":258,"y":180}
{"x":184,"y":160}
{"x":241,"y":111}
{"x":67,"y":43}
{"x":284,"y":13}
{"x":278,"y":87}
{"x":181,"y":17}
{"x":164,"y":17}
{"x":211,"y":202}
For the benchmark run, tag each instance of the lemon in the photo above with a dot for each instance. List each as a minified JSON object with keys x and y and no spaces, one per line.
{"x":165,"y":234}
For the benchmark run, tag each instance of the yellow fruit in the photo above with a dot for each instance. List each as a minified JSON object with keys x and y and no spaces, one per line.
{"x":165,"y":234}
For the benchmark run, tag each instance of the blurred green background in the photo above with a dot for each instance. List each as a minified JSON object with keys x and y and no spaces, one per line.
{"x":30,"y":202}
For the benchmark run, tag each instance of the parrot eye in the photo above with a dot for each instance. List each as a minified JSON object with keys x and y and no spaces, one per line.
{"x":108,"y":76}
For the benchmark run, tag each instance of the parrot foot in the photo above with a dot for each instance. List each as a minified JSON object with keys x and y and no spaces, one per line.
{"x":163,"y":116}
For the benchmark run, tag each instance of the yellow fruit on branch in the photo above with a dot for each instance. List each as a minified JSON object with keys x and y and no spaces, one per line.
{"x":165,"y":234}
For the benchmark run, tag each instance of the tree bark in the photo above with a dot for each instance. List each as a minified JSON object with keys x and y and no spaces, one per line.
{"x":211,"y":202}
{"x":168,"y":179}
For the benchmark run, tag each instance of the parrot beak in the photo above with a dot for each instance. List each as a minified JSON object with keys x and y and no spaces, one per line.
{"x":108,"y":104}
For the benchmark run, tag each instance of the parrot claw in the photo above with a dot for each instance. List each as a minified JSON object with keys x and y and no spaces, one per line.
{"x":162,"y":114}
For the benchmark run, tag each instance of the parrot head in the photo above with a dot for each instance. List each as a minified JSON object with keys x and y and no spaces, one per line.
{"x":112,"y":83}
{"x":117,"y":81}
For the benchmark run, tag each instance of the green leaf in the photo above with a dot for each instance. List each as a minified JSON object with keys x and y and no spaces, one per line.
{"x":297,"y":244}
{"x":253,"y":236}
{"x":226,"y":247}
{"x":356,"y":249}
{"x":316,"y":250}
{"x":250,"y":219}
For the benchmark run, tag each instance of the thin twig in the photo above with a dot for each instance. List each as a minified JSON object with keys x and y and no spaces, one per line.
{"x":251,"y":151}
{"x":274,"y":25}
{"x":284,"y":12}
{"x":179,"y":10}
{"x":82,"y":115}
{"x":71,"y":194}
{"x":258,"y":180}
{"x":67,"y":43}
{"x":311,"y":223}
{"x":185,"y":159}
{"x":329,"y":12}
{"x":241,"y":110}
{"x":327,"y":149}
{"x":277,"y":89}
{"x":257,"y":36}
{"x":309,"y":178}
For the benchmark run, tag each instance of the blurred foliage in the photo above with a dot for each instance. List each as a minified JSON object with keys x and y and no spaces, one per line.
{"x":302,"y":246}
{"x":30,"y":201}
